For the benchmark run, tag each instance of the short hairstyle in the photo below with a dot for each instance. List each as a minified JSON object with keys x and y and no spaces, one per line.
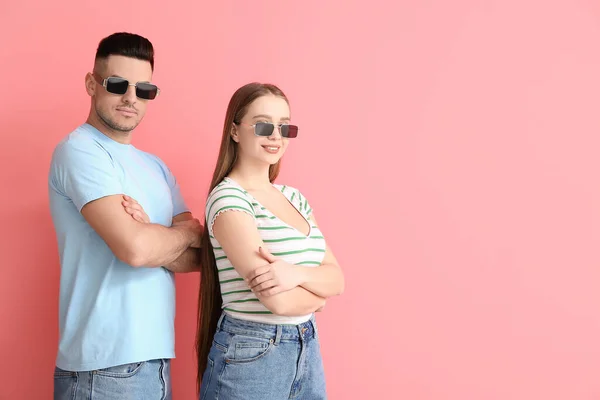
{"x":127,"y":45}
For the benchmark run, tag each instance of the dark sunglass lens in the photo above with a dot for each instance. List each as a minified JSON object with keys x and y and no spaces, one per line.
{"x":263,"y":129}
{"x":117,"y":85}
{"x":146,"y":91}
{"x":289,"y":131}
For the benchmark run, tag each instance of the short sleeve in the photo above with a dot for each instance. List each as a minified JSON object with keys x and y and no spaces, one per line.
{"x":84,"y":171}
{"x":179,"y":204}
{"x":225,"y":198}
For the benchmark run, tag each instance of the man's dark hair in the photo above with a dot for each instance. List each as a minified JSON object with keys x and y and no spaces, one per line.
{"x":128,"y":45}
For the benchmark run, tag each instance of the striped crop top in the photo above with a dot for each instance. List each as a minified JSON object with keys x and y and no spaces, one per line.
{"x":281,"y":239}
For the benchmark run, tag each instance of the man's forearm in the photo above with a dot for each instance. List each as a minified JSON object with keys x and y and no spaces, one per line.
{"x":188,"y":261}
{"x":326,"y":280}
{"x":156,"y":245}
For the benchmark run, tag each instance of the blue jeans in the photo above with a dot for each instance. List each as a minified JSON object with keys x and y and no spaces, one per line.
{"x":250,"y":360}
{"x":148,"y":380}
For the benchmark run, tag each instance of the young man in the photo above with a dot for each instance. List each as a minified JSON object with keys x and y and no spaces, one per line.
{"x":117,"y":291}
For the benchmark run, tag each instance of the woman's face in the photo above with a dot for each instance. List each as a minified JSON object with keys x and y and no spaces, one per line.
{"x":268,"y":149}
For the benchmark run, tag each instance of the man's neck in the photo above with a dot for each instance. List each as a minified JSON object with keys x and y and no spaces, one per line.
{"x":117,"y":136}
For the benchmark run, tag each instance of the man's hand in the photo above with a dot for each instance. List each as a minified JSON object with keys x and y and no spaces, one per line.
{"x":194,"y":227}
{"x":133,"y":208}
{"x":276,"y":277}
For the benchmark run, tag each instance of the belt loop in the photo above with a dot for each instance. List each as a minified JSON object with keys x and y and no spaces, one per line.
{"x":220,"y":321}
{"x":278,"y":335}
{"x":313,"y":321}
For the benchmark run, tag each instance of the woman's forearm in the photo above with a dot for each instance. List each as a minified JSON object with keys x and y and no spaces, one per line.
{"x":326,"y":280}
{"x":292,"y":303}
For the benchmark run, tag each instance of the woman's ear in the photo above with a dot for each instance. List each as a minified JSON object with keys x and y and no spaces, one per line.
{"x":234,"y":133}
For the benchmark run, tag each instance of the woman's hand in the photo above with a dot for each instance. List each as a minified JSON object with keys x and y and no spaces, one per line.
{"x":276,"y":277}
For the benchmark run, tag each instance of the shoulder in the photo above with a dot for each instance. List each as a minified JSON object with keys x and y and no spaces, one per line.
{"x":227,"y":196}
{"x":83,"y":169}
{"x":152,"y":157}
{"x":77,"y":145}
{"x":288,"y":190}
{"x":296,"y":197}
{"x":157,"y":161}
{"x":227,"y":189}
{"x":291,"y":192}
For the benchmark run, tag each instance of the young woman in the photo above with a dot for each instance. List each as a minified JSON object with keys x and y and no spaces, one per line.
{"x":266,"y":267}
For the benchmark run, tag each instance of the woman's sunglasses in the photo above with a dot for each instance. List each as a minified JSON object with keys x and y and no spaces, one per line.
{"x":266,"y":129}
{"x":115,"y":85}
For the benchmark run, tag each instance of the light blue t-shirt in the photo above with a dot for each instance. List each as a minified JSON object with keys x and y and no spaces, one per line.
{"x":109,"y":312}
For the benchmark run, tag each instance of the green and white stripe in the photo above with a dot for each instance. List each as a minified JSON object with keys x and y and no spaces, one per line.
{"x":280,"y":239}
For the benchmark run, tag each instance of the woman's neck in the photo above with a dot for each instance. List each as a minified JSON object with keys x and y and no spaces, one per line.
{"x":252,"y":176}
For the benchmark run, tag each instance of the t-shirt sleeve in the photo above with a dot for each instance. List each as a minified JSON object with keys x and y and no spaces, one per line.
{"x":179,"y":204}
{"x":226,"y":199}
{"x":83,"y":171}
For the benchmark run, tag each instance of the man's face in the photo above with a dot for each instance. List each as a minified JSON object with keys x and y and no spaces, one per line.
{"x":120,"y":112}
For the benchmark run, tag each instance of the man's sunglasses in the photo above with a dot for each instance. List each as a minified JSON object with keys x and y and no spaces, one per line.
{"x":115,"y":85}
{"x":266,"y":129}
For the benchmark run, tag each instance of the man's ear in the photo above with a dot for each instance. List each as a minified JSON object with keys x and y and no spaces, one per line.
{"x":90,"y":84}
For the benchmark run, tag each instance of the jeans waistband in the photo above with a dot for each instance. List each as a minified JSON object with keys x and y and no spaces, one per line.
{"x":303,"y":331}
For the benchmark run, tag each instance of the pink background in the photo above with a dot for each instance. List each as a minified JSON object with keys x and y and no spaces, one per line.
{"x":448,"y":148}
